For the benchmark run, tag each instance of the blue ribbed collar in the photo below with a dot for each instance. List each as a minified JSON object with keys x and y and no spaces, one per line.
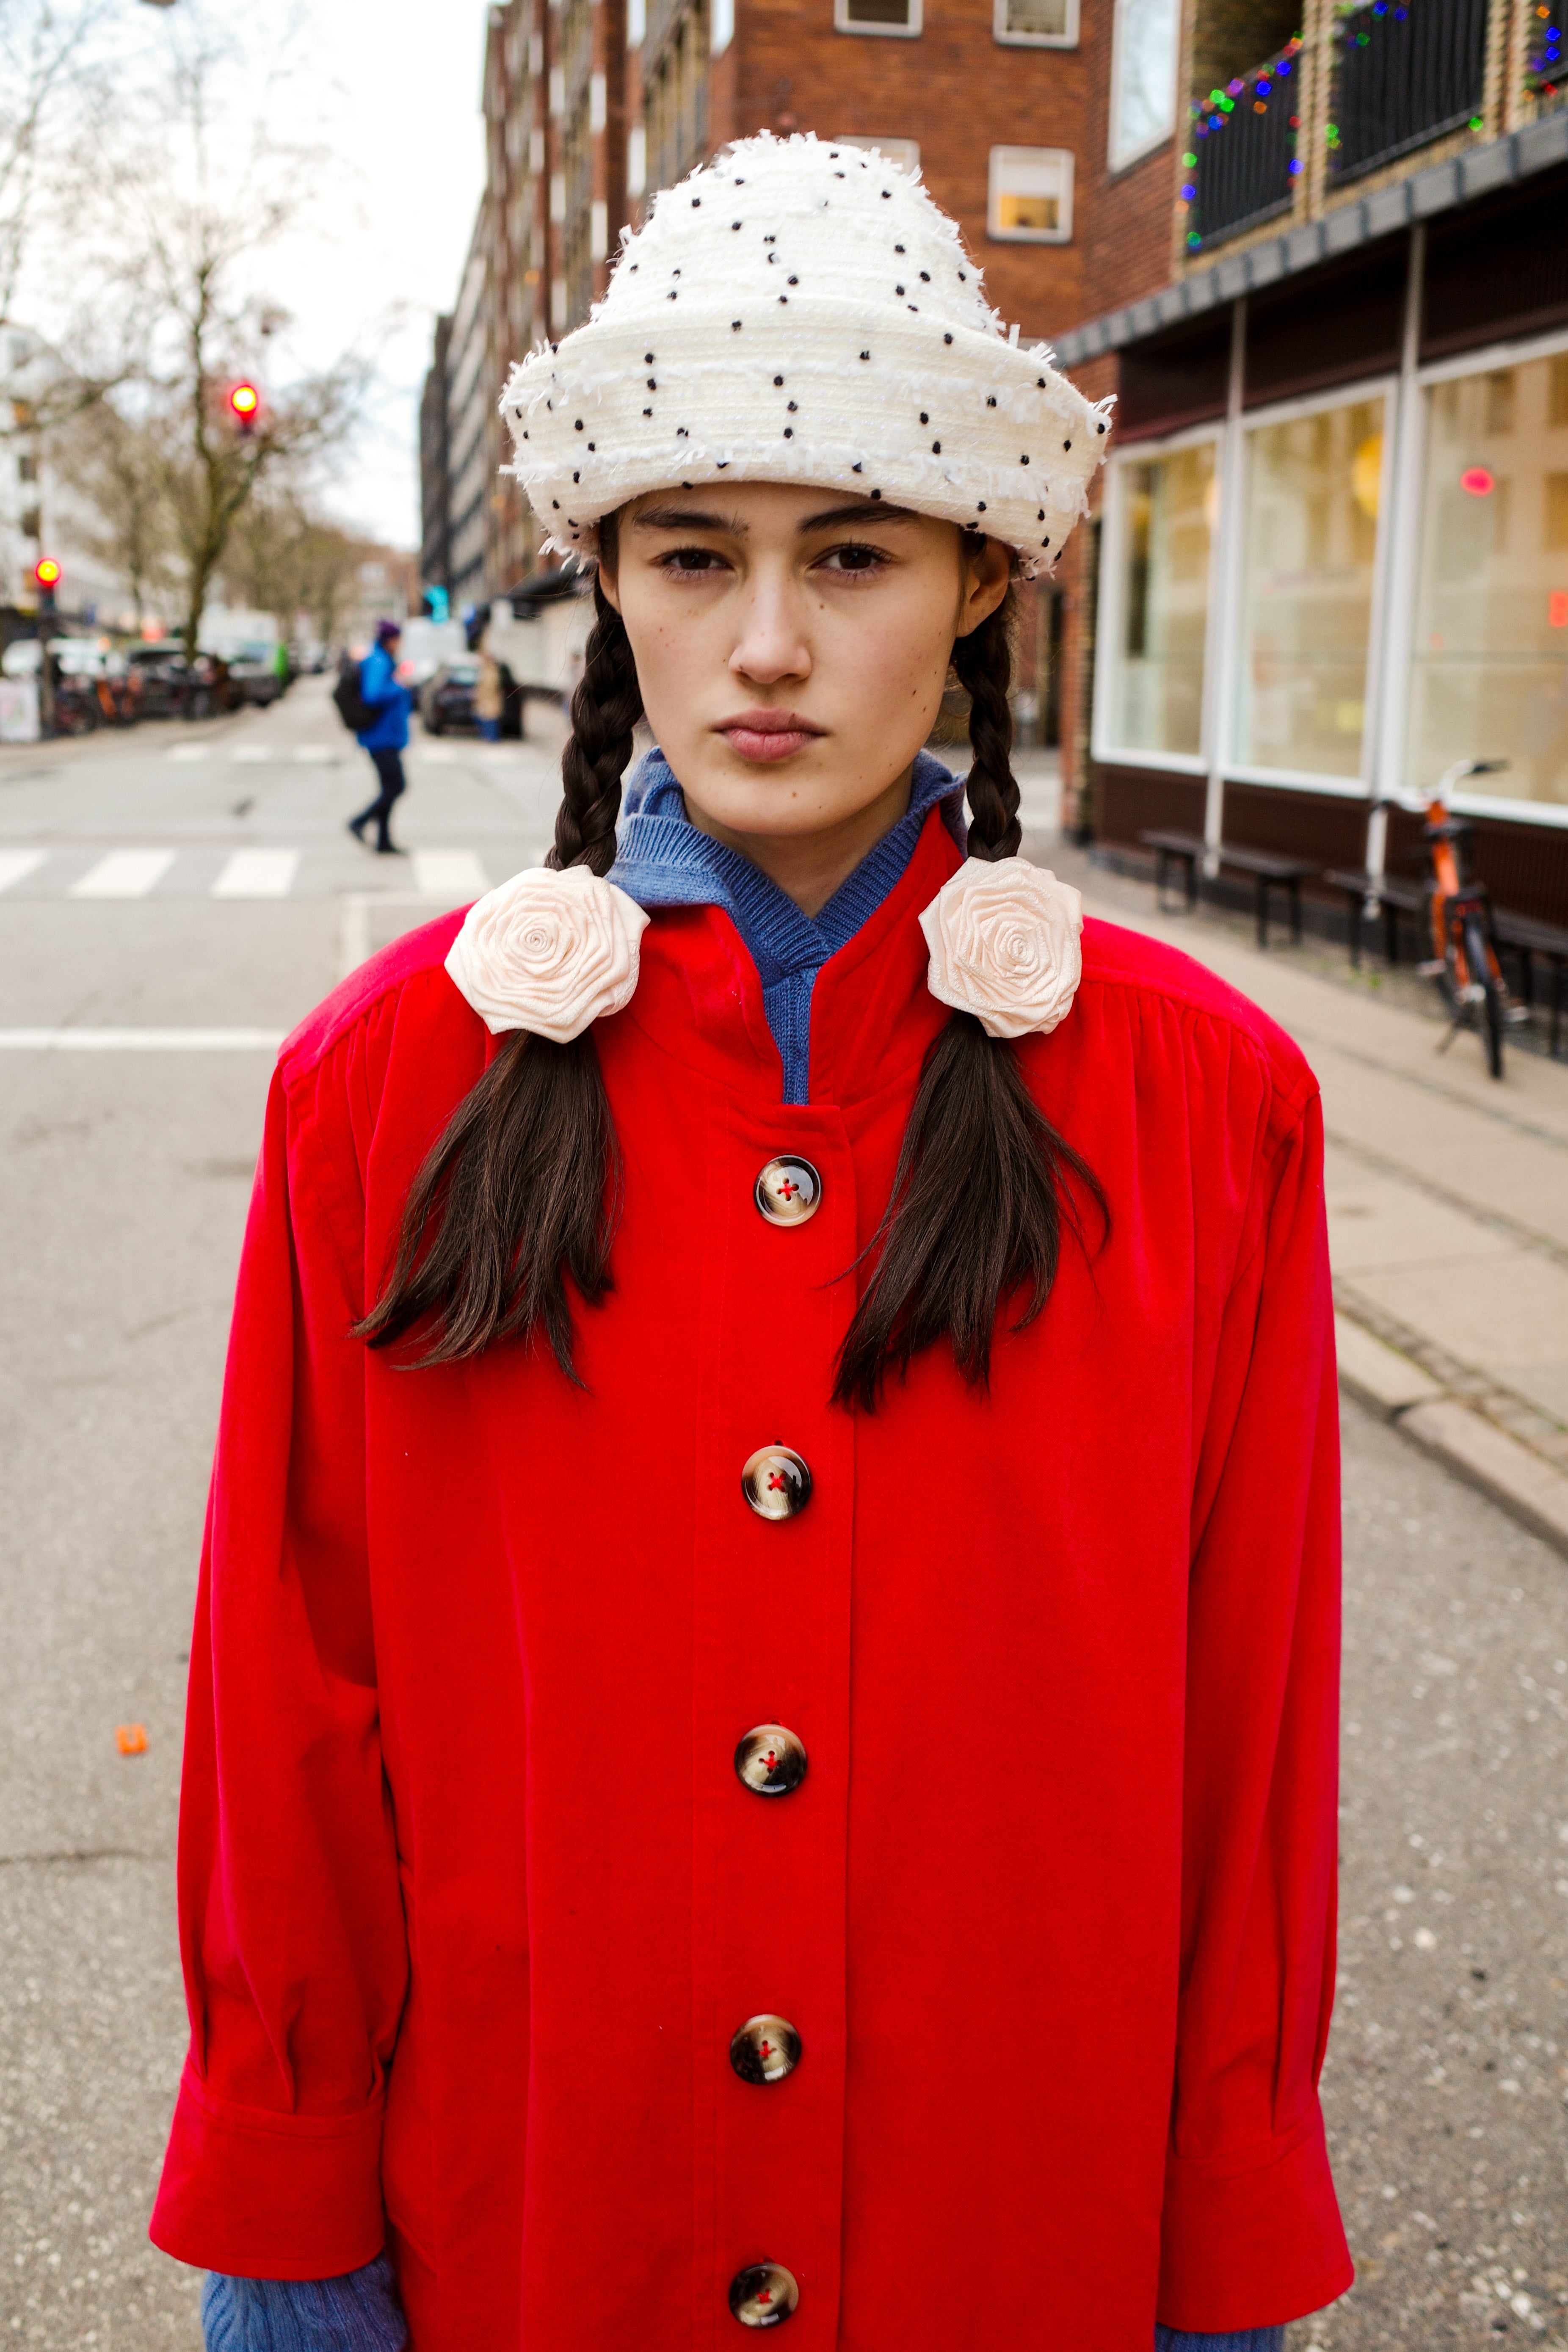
{"x":662,"y":860}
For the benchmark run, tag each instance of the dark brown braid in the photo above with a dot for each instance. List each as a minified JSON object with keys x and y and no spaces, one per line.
{"x":523,"y":1190}
{"x":978,"y":1195}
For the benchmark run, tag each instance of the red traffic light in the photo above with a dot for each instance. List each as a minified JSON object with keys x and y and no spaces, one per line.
{"x":245,"y":400}
{"x":47,"y":572}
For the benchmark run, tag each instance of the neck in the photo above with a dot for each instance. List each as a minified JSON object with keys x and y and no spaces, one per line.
{"x":810,"y":867}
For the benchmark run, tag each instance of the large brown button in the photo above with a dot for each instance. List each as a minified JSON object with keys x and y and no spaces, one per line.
{"x":771,"y":1760}
{"x":776,"y":1482}
{"x":763,"y":2294}
{"x":788,"y":1191}
{"x":764,"y":2049}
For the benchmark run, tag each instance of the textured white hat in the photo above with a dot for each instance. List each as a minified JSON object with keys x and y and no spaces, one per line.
{"x":799,"y":312}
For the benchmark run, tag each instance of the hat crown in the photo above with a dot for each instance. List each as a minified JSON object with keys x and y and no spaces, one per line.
{"x":782,"y":219}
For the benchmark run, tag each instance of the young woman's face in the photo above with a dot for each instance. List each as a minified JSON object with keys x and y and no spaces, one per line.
{"x":792,"y":645}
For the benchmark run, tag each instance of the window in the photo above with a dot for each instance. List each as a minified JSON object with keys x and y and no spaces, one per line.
{"x":904,"y":153}
{"x":1031,"y":196}
{"x":1163,"y":508}
{"x":1490,"y":668}
{"x":1143,"y":77}
{"x":636,"y":160}
{"x":721,"y":27}
{"x":1314,"y":485}
{"x":1041,"y":24}
{"x":901,"y":17}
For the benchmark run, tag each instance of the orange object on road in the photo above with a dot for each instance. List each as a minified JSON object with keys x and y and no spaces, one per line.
{"x":131,"y":1739}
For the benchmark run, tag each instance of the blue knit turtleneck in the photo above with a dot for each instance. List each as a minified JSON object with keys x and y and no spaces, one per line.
{"x":662,"y":860}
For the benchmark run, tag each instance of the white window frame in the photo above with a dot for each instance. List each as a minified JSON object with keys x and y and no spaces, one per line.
{"x":1063,"y":234}
{"x":1120,"y":158}
{"x":1068,"y":40}
{"x":909,"y":31}
{"x":1109,"y":612}
{"x":1285,"y":411}
{"x":904,"y":153}
{"x":721,"y":27}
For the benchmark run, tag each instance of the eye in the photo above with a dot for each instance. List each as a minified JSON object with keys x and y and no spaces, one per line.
{"x":855,"y":558}
{"x":689,"y":562}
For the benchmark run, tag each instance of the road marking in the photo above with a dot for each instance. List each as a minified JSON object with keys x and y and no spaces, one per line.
{"x":16,"y":865}
{"x":185,"y":753}
{"x":251,"y":755}
{"x":124,"y":874}
{"x":318,"y":754}
{"x":257,"y":874}
{"x":452,"y":875}
{"x":141,"y":1041}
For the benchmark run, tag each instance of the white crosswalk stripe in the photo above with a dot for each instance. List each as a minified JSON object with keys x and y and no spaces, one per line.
{"x":125,"y":874}
{"x":314,"y":754}
{"x":252,"y":755}
{"x":16,"y":865}
{"x":451,"y":876}
{"x":186,"y":754}
{"x":257,"y":874}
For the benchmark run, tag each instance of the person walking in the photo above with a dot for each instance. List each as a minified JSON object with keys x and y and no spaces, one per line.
{"x":386,"y":736}
{"x":762,"y":1738}
{"x":490,"y":699}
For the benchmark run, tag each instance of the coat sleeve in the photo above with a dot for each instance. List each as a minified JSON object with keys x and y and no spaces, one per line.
{"x":1251,"y":2234}
{"x":292,"y":1934}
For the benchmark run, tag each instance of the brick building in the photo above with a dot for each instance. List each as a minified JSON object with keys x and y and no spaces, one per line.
{"x":1331,"y":555}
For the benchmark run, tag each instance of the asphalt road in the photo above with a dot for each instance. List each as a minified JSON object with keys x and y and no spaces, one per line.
{"x":124,"y":1184}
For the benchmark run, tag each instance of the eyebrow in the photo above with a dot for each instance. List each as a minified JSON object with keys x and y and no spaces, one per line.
{"x":860,"y":511}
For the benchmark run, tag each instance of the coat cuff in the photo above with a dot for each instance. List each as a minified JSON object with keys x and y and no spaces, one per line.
{"x":1252,"y":2239}
{"x":260,"y":2194}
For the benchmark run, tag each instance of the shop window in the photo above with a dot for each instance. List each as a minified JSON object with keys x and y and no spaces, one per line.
{"x":904,"y":153}
{"x":1039,"y":24}
{"x":1314,"y":485}
{"x":900,"y":18}
{"x":1031,"y":196}
{"x":1164,"y":508}
{"x":1490,"y":668}
{"x":1143,"y":77}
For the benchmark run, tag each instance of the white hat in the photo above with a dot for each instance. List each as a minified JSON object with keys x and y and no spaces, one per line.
{"x":800,"y":312}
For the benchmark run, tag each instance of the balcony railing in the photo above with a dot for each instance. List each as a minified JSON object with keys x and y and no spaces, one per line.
{"x":1243,"y":158}
{"x":1404,"y":71}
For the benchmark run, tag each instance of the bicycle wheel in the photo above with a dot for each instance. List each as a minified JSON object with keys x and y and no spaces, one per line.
{"x":1483,"y":977}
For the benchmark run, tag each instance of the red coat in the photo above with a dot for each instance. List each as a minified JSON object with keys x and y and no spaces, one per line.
{"x":472,"y":1897}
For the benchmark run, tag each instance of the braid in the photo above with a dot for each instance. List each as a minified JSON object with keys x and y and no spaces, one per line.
{"x":984,"y":661}
{"x":604,"y":709}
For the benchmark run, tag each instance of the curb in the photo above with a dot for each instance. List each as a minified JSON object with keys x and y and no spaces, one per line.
{"x":1486,"y":1457}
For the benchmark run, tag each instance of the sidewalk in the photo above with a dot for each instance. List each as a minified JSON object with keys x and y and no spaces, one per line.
{"x":1447,"y":1196}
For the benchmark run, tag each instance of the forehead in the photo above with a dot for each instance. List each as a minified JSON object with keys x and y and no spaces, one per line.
{"x":751,"y":508}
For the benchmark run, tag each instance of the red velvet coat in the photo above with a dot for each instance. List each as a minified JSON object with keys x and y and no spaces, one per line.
{"x":472,"y":1897}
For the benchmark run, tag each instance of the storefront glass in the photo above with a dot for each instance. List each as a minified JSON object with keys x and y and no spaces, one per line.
{"x":1489,"y":673}
{"x":1313,"y":486}
{"x":1168,"y":510}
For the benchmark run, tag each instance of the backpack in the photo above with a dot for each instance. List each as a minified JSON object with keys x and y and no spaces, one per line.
{"x":353,"y":709}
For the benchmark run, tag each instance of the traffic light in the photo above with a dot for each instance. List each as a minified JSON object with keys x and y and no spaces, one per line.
{"x":245,"y":402}
{"x":46,"y":573}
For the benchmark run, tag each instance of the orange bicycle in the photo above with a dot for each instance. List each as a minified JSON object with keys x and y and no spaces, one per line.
{"x":1464,"y":961}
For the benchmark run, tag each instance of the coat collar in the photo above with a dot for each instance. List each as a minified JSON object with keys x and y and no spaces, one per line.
{"x":700,"y":993}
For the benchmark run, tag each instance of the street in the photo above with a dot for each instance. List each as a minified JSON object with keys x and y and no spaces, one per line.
{"x":200,"y":881}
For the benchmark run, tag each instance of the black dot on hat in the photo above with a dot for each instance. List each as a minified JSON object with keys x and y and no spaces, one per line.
{"x":1040,"y":382}
{"x":912,"y":306}
{"x":898,"y":248}
{"x":887,"y":192}
{"x":947,"y":339}
{"x":696,"y":203}
{"x":926,"y":276}
{"x":647,"y":412}
{"x":854,"y":468}
{"x":686,"y":486}
{"x":1099,"y":428}
{"x":1067,"y":445}
{"x":653,"y":383}
{"x":864,"y":355}
{"x":833,"y":154}
{"x":898,"y":290}
{"x":784,"y":298}
{"x":778,"y":379}
{"x":734,"y":223}
{"x":577,"y":478}
{"x":579,"y":424}
{"x":633,"y":267}
{"x":924,"y":418}
{"x":936,"y":448}
{"x":556,"y":504}
{"x":981,"y":504}
{"x":792,"y":407}
{"x":794,"y":281}
{"x":681,"y":434}
{"x":1041,"y":516}
{"x":1045,"y":542}
{"x":875,"y":494}
{"x":789,"y":432}
{"x":991,"y":399}
{"x":525,"y":436}
{"x":593,"y":445}
{"x":675,"y":273}
{"x":648,"y":359}
{"x":963,"y":278}
{"x":738,"y":181}
{"x":1025,"y":458}
{"x":673,"y":296}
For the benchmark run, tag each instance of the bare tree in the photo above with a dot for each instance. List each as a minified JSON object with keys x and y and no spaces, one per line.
{"x":113,"y":457}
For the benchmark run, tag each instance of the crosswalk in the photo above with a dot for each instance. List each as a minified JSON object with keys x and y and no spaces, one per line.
{"x":257,"y":755}
{"x":447,"y":877}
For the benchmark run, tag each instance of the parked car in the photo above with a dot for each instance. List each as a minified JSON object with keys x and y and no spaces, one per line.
{"x":253,"y":674}
{"x":166,"y":686}
{"x":447,"y":700}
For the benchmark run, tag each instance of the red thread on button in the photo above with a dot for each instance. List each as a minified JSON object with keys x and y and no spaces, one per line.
{"x":776,"y":1482}
{"x":767,"y":2049}
{"x":766,"y":2296}
{"x":788,"y":1189}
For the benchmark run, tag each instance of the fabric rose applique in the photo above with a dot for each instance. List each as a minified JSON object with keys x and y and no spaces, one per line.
{"x":548,"y":952}
{"x":1003,"y":940}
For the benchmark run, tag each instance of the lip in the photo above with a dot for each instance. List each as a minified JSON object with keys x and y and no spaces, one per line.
{"x":767,"y":736}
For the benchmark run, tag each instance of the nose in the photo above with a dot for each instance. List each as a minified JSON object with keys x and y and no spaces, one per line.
{"x":772,"y":645}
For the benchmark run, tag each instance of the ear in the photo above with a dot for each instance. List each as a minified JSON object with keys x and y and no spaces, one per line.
{"x":607,"y":583}
{"x":985,"y":576}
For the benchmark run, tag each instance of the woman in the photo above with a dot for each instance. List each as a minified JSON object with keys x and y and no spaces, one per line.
{"x":762,"y":1740}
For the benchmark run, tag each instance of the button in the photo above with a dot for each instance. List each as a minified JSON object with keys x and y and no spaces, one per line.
{"x":771,"y":1760}
{"x":764,"y":2049}
{"x":776,"y":1482}
{"x":788,"y":1191}
{"x":763,"y":2294}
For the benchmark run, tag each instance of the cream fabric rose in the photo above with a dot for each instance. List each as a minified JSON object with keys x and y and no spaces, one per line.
{"x":1003,"y":940}
{"x":548,"y":952}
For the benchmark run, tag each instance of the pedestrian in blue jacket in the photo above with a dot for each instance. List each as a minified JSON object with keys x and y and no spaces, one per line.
{"x":386,"y":736}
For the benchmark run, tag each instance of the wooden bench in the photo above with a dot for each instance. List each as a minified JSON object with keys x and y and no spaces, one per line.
{"x":1529,"y":938}
{"x":1267,"y":871}
{"x":1388,"y":893}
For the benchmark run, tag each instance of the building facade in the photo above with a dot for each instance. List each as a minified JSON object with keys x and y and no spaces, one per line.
{"x":1331,"y":555}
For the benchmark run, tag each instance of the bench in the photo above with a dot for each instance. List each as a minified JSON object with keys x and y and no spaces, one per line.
{"x":1267,"y":871}
{"x":1392,"y":896}
{"x":1529,"y":939}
